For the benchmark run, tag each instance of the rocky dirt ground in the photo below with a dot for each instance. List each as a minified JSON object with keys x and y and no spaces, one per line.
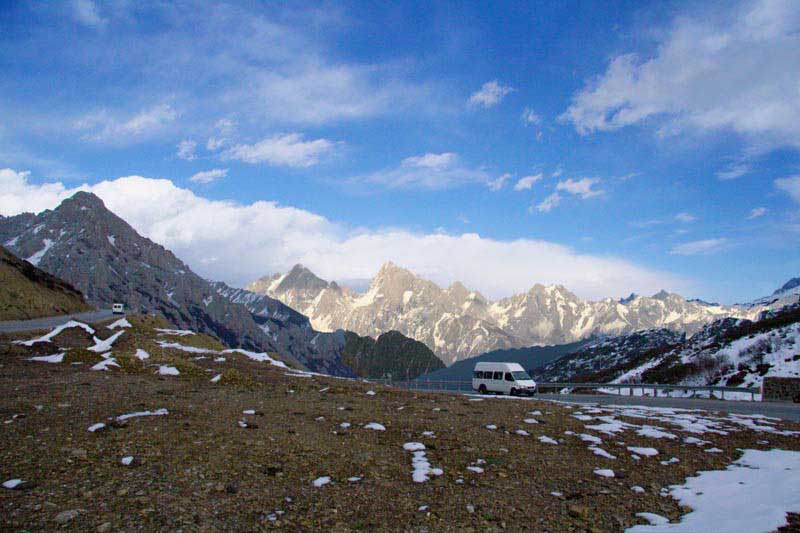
{"x":264,"y":447}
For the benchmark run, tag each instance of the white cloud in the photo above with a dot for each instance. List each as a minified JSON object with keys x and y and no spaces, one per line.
{"x":287,"y":149}
{"x":86,"y":12}
{"x":529,"y":116}
{"x":726,"y":71}
{"x":318,"y":93}
{"x":225,"y":126}
{"x":790,"y":186}
{"x":757,"y":212}
{"x":583,"y":187}
{"x":207,"y":176}
{"x":549,"y":203}
{"x":186,"y":150}
{"x":704,"y":247}
{"x":215,"y":143}
{"x":733,"y":172}
{"x":430,"y":171}
{"x":557,"y":172}
{"x":264,"y":237}
{"x":685,"y":218}
{"x":526,"y":183}
{"x":499,"y":182}
{"x":490,"y":94}
{"x":102,"y":127}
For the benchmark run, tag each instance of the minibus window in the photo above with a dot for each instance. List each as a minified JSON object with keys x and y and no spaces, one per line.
{"x":498,"y":376}
{"x":509,"y":377}
{"x":478,"y":374}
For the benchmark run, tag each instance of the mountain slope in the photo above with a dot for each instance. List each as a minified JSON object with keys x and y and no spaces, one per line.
{"x":391,"y":354}
{"x":29,"y":292}
{"x":84,"y":243}
{"x":457,"y":323}
{"x":729,"y":351}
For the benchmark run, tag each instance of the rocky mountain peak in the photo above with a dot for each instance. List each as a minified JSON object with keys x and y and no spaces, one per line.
{"x":301,"y":278}
{"x":629,"y":299}
{"x":787,"y":287}
{"x":83,"y":199}
{"x":661,"y":295}
{"x":457,"y":323}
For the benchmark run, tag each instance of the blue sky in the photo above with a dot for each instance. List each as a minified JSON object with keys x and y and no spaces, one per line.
{"x":611,"y":147}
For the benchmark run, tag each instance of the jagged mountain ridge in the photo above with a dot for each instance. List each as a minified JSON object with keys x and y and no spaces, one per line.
{"x":391,"y":353}
{"x":729,"y":351}
{"x":87,"y":245}
{"x":457,"y":323}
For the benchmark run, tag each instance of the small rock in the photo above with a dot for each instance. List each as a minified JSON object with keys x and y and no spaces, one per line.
{"x":122,"y":492}
{"x":219,"y":487}
{"x":67,"y":516}
{"x":231,"y":489}
{"x":578,"y":511}
{"x":104,"y":527}
{"x":470,"y":508}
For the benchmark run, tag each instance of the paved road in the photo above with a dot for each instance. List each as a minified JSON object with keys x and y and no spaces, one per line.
{"x":783,"y":410}
{"x":53,"y":321}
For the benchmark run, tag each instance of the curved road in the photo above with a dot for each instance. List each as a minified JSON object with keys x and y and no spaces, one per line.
{"x":50,"y":322}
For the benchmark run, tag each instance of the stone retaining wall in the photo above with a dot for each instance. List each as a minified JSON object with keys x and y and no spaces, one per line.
{"x":782,"y":389}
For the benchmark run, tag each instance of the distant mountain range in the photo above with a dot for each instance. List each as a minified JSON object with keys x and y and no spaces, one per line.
{"x":458,"y":323}
{"x":728,"y":351}
{"x":103,"y":257}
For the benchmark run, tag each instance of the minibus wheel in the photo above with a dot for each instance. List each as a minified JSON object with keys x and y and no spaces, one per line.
{"x":513,"y":391}
{"x":482,"y":389}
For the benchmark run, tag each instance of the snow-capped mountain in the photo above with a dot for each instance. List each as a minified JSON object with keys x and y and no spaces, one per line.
{"x":787,"y":294}
{"x":457,"y":323}
{"x":84,"y":243}
{"x":729,"y":351}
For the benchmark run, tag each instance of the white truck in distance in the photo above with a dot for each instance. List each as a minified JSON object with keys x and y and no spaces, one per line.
{"x":503,"y":378}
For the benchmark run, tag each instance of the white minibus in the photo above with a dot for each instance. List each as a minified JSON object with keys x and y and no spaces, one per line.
{"x":502,"y":378}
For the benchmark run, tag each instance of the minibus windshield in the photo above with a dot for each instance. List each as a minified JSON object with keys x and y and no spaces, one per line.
{"x":521,"y":376}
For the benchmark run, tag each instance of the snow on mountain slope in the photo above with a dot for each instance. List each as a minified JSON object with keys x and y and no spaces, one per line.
{"x":457,"y":323}
{"x":727,"y":352}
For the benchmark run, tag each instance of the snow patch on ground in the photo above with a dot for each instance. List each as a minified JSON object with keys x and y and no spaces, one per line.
{"x":105,"y":364}
{"x":320,"y":481}
{"x":56,"y":331}
{"x":375,"y":426}
{"x":55,"y":358}
{"x":104,"y":345}
{"x":176,"y":332}
{"x":765,"y":482}
{"x":157,"y":412}
{"x":121,"y":323}
{"x":646,"y":452}
{"x":258,"y":356}
{"x":166,"y":370}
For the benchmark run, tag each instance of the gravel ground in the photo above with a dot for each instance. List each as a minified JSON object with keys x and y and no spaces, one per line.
{"x":197,"y":468}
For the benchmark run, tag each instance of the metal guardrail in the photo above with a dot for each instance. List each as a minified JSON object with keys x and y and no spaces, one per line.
{"x":466,"y":386}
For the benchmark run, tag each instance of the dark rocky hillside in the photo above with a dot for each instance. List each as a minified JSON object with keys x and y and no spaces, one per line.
{"x":392,"y":354}
{"x":28,"y":292}
{"x":90,"y":247}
